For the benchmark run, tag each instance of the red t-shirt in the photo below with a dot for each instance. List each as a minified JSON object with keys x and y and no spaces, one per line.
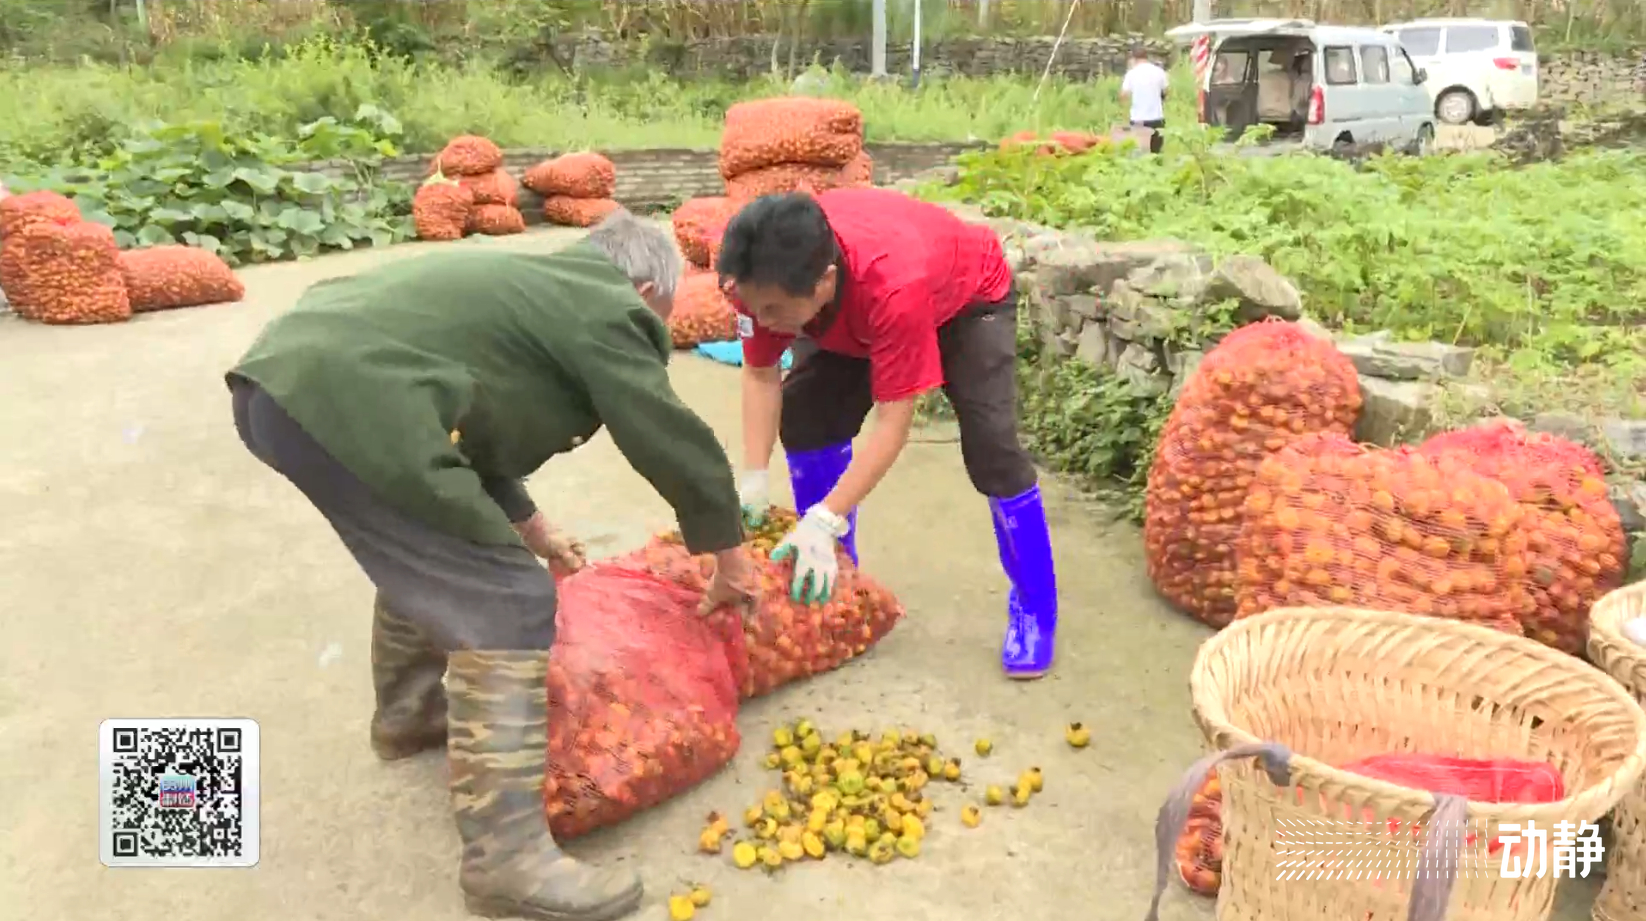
{"x":909,"y":267}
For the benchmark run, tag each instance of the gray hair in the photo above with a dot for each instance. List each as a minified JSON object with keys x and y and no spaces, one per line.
{"x":644,"y":251}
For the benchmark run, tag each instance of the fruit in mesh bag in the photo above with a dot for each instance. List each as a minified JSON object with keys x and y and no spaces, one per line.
{"x":800,"y":177}
{"x":19,"y":211}
{"x":494,"y":188}
{"x":789,"y":129}
{"x":468,"y":155}
{"x":577,"y":175}
{"x":70,"y":273}
{"x":1328,"y":522}
{"x":697,"y":224}
{"x":1262,"y":386}
{"x":167,"y":277}
{"x":787,"y":640}
{"x":577,"y":212}
{"x":1199,"y":850}
{"x":701,"y":312}
{"x":496,"y":220}
{"x":440,"y":209}
{"x":642,"y":697}
{"x":1575,"y":542}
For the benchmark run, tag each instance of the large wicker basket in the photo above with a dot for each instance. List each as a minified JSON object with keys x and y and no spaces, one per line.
{"x":1623,"y":898}
{"x":1333,"y":685}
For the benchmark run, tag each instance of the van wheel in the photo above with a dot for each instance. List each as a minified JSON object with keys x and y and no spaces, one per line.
{"x":1456,"y":107}
{"x":1424,"y":143}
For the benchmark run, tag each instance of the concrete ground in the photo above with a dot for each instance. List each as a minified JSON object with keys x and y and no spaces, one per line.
{"x":153,"y":568}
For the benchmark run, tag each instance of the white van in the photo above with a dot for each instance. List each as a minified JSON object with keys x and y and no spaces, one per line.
{"x":1477,"y":67}
{"x":1323,"y":87}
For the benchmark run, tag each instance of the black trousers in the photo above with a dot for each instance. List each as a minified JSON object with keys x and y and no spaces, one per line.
{"x":461,"y":594}
{"x":826,"y":396}
{"x":1156,"y":140}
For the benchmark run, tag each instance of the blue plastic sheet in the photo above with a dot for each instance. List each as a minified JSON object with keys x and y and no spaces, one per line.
{"x":731,"y":353}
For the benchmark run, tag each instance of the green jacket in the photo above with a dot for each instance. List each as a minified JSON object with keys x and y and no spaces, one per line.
{"x":526,"y":355}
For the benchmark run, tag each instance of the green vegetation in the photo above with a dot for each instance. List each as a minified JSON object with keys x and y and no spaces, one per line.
{"x":1540,"y":267}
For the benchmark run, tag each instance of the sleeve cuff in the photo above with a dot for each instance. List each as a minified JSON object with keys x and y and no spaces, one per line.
{"x":511,"y":496}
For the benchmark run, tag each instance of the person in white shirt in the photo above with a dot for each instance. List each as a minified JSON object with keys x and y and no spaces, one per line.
{"x":1145,"y":86}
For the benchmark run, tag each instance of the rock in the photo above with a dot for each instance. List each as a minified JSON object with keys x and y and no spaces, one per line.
{"x":1629,"y":498}
{"x":1563,"y":425}
{"x":1181,"y":363}
{"x":1122,"y":260}
{"x":1394,"y":411}
{"x":1085,"y":307}
{"x":1261,"y":291}
{"x":1408,"y":361}
{"x":1313,"y":327}
{"x":1064,"y":344}
{"x":1624,"y":438}
{"x":1044,"y":242}
{"x":1093,"y":346}
{"x":1016,"y":258}
{"x":1186,"y":368}
{"x":1070,"y":269}
{"x":1143,"y":320}
{"x":1180,"y":276}
{"x":1140,"y":367}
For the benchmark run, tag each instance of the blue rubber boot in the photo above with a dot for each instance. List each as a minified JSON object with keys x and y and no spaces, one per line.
{"x":1026,"y":555}
{"x":812,"y":474}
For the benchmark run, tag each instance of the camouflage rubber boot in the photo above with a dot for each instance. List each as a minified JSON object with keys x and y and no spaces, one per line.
{"x":497,"y":742}
{"x":406,"y":670}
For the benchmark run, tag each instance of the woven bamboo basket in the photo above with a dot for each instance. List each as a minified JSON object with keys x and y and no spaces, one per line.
{"x":1333,"y":685}
{"x":1623,"y":898}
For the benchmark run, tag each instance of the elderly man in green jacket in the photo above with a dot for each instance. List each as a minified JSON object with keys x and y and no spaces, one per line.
{"x":407,"y":403}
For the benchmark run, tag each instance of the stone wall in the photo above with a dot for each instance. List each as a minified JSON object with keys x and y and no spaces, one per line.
{"x":1593,"y":78}
{"x":649,"y":180}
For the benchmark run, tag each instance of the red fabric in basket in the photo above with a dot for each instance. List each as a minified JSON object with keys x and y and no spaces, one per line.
{"x":1505,"y":780}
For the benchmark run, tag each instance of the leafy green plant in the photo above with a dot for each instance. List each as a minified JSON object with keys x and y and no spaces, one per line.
{"x":238,"y":196}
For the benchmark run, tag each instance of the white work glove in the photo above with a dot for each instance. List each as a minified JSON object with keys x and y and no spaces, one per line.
{"x":754,"y":495}
{"x":811,"y":545}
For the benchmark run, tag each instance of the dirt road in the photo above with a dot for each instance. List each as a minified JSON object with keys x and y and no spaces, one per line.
{"x":153,"y":568}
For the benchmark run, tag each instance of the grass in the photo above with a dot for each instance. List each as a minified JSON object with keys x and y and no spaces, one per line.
{"x":46,"y":111}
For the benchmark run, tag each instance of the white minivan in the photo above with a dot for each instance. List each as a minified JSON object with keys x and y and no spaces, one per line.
{"x":1477,"y":67}
{"x":1324,"y":87}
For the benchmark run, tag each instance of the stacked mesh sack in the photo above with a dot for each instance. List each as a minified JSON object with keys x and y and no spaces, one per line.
{"x":792,"y":144}
{"x":577,"y":188}
{"x":468,"y":192}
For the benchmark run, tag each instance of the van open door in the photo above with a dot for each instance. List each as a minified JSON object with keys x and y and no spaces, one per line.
{"x":1243,"y":55}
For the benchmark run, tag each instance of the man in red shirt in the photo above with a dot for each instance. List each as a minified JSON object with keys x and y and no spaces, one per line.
{"x":889,"y":298}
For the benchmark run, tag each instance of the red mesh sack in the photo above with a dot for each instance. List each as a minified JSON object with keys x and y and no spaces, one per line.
{"x":1328,"y":522}
{"x":1575,"y":543}
{"x":70,"y":274}
{"x":1076,"y":141}
{"x":800,"y":177}
{"x":789,"y":129}
{"x":167,"y":277}
{"x":699,"y":222}
{"x":577,"y":212}
{"x":1262,"y":386}
{"x":1200,"y":847}
{"x":468,"y":155}
{"x":19,"y":211}
{"x":701,"y":312}
{"x":440,"y":209}
{"x":494,"y":188}
{"x":642,"y":698}
{"x":576,"y":175}
{"x":496,"y":220}
{"x":787,"y":640}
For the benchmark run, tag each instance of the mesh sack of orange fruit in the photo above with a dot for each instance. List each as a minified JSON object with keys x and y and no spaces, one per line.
{"x":1330,"y":522}
{"x":787,"y":640}
{"x":1199,"y":852}
{"x":18,"y":212}
{"x":1261,"y":387}
{"x":65,"y":274}
{"x":789,"y":129}
{"x":698,"y":225}
{"x":1576,"y":548}
{"x":584,"y":174}
{"x":467,"y":155}
{"x":801,"y":177}
{"x":494,"y":188}
{"x":1058,"y":142}
{"x":642,"y":698}
{"x":441,"y":208}
{"x":495,"y":220}
{"x":701,"y":312}
{"x":577,"y":212}
{"x":173,"y":276}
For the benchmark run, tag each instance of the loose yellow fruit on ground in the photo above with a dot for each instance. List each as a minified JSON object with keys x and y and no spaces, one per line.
{"x":880,"y":852}
{"x":813,"y":845}
{"x":782,"y":737}
{"x":908,"y":847}
{"x":951,"y":771}
{"x":816,"y":821}
{"x":770,"y":857}
{"x":1077,"y":735}
{"x":681,"y":908}
{"x":782,"y":813}
{"x":923,"y":808}
{"x":970,"y":816}
{"x":1020,"y":796}
{"x":983,"y":747}
{"x":810,"y":746}
{"x":753,"y":815}
{"x":928,"y":740}
{"x":744,"y":855}
{"x":804,"y":728}
{"x":934,"y":766}
{"x":791,"y":755}
{"x":994,"y":796}
{"x":894,"y":821}
{"x":845,"y":740}
{"x":718,"y":823}
{"x":700,"y":896}
{"x":774,"y":761}
{"x":910,"y":737}
{"x":851,"y":782}
{"x":791,"y":850}
{"x":913,"y":828}
{"x":834,"y":835}
{"x":1037,"y":782}
{"x":767,"y":828}
{"x":871,"y":829}
{"x":856,"y":841}
{"x":791,"y":833}
{"x":863,"y":752}
{"x":709,"y":841}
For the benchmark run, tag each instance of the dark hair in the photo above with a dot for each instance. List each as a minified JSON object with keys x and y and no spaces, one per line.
{"x":1140,"y":53}
{"x":781,"y":240}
